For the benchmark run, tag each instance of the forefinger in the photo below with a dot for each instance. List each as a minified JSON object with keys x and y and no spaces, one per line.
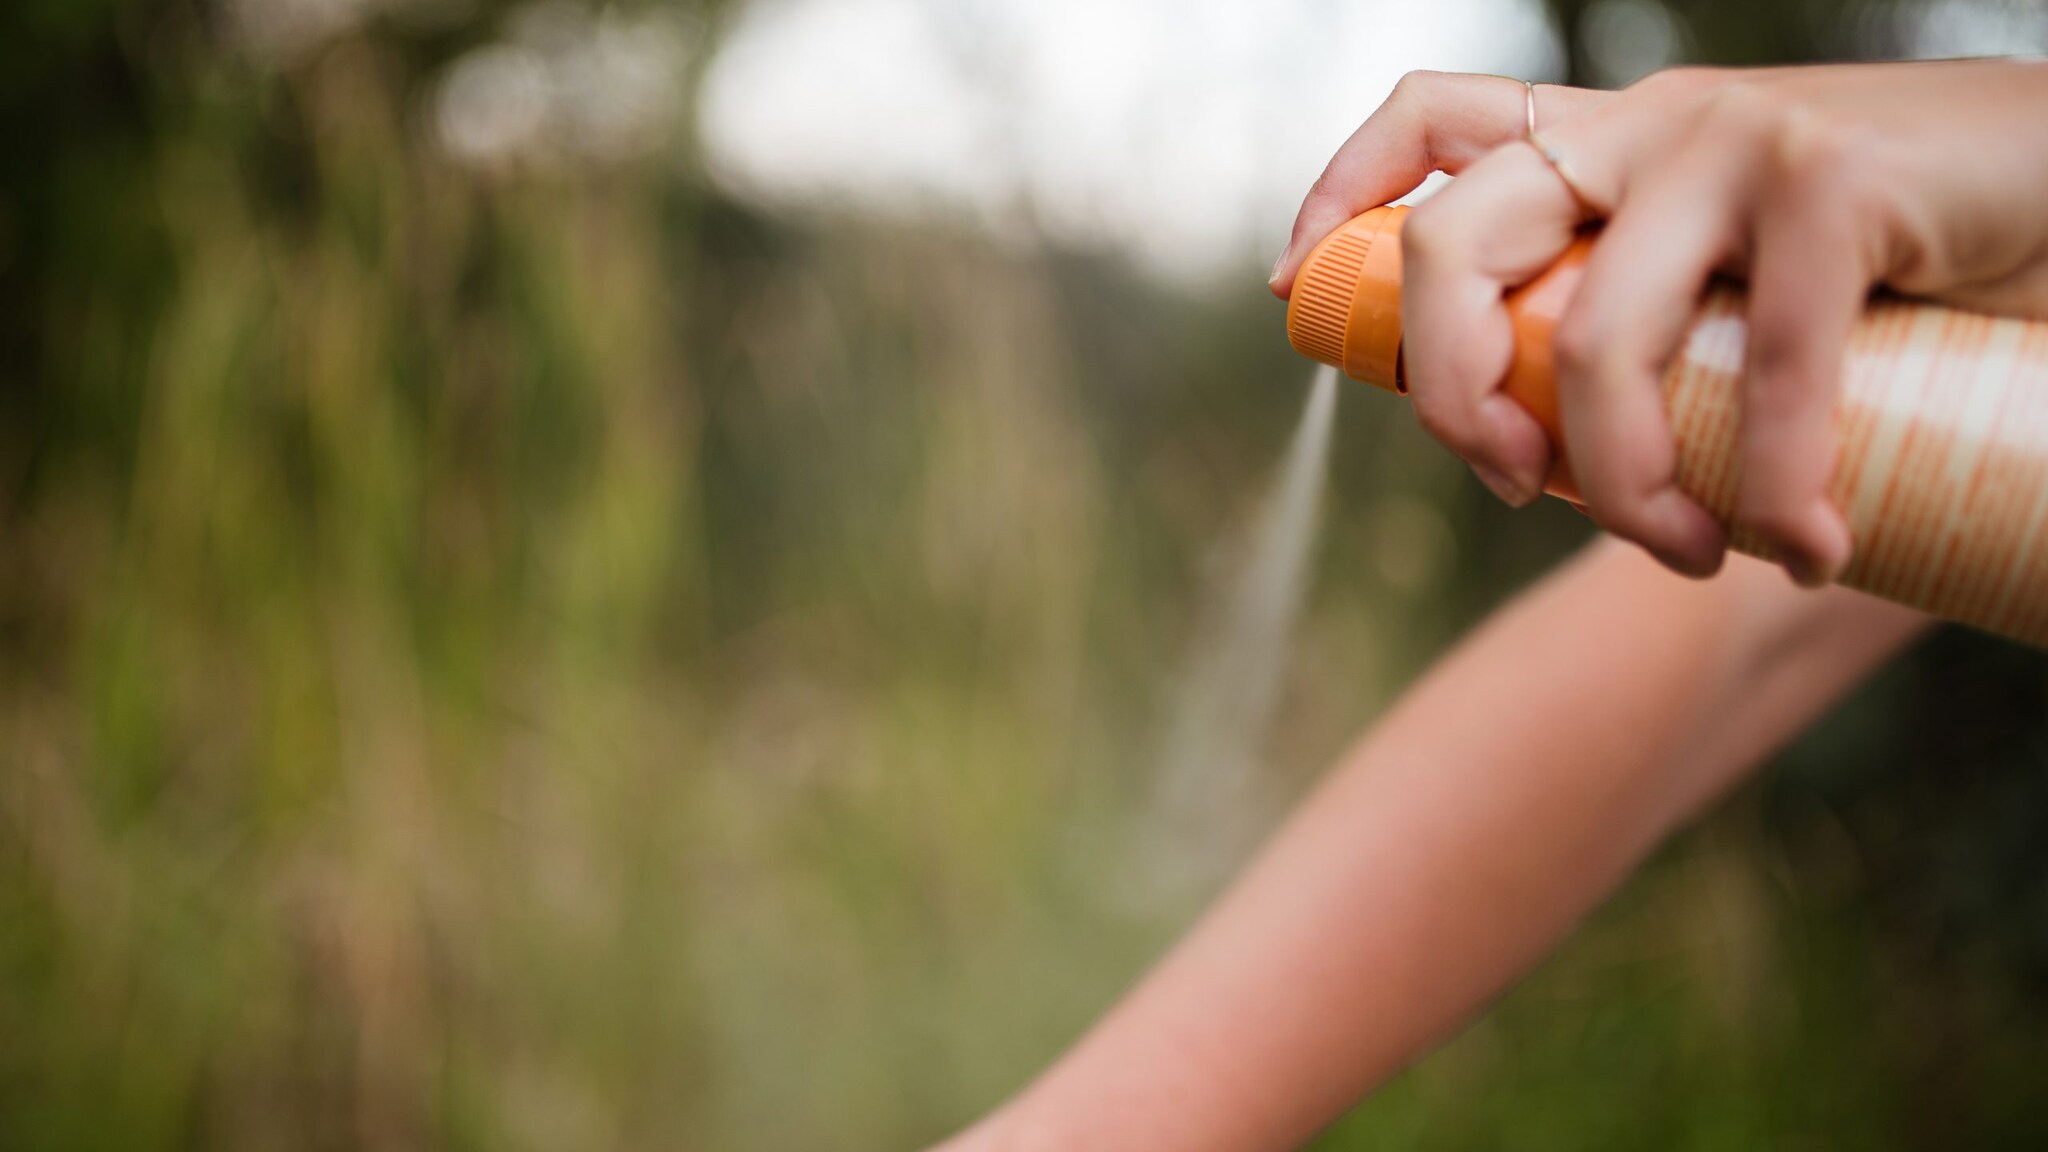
{"x":1433,"y":122}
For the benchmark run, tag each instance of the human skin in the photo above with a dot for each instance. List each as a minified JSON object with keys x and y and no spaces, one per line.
{"x":1814,"y":185}
{"x":1487,"y":812}
{"x":1477,"y":822}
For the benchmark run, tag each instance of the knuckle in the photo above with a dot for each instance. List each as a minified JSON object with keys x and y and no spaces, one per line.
{"x":1811,"y":148}
{"x":1325,"y":186}
{"x":1415,"y":86}
{"x":1744,"y":112}
{"x":1683,"y":81}
{"x":1582,"y":350}
{"x":1823,"y":163}
{"x":1426,"y":235}
{"x":1574,"y":349}
{"x":1810,"y":159}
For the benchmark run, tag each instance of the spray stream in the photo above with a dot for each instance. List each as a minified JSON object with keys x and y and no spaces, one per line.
{"x":1206,"y":807}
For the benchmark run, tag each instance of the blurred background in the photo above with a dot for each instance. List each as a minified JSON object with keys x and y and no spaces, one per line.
{"x":616,"y":576}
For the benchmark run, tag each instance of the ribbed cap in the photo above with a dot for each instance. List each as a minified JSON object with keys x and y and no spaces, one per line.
{"x":1346,"y":306}
{"x":1320,"y":308}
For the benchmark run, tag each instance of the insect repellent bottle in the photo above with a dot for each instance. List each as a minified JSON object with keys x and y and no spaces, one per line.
{"x":1941,"y":423}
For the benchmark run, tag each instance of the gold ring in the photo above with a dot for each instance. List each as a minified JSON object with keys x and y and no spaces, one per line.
{"x":1554,"y":158}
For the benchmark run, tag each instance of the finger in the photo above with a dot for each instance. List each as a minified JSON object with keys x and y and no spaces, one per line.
{"x":1505,"y":219}
{"x":1809,"y":279}
{"x":1618,"y":335}
{"x":1497,"y":226}
{"x":1433,"y":122}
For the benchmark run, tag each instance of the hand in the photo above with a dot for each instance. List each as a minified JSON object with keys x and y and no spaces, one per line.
{"x":1813,"y":184}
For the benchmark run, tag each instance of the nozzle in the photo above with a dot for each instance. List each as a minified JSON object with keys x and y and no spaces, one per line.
{"x":1346,"y":306}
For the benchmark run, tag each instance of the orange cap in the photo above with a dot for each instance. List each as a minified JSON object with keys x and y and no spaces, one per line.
{"x":1346,"y":305}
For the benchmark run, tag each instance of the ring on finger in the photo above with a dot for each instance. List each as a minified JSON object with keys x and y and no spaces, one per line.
{"x":1588,"y":209}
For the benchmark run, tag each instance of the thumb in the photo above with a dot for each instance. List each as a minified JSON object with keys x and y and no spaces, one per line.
{"x":1432,"y":122}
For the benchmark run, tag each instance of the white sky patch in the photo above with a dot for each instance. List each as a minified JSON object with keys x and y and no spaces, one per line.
{"x":565,"y":83}
{"x":1976,"y":28}
{"x":1183,"y":130}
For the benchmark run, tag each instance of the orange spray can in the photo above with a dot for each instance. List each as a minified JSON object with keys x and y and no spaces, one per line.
{"x":1941,"y":424}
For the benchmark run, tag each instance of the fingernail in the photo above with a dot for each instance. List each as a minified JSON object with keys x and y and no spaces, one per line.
{"x":1687,"y":566}
{"x":1278,"y":266}
{"x":1816,"y":559}
{"x":1513,"y":433}
{"x":1500,"y":484}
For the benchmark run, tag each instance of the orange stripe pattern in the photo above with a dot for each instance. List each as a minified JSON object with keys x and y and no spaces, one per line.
{"x":1942,"y":454}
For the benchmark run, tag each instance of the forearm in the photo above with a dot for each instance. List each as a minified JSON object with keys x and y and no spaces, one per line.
{"x":1478,"y":821}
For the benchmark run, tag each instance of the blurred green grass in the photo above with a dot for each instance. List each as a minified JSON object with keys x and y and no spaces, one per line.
{"x":572,"y":660}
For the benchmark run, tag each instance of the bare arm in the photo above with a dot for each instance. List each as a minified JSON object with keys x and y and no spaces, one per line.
{"x":1490,"y":809}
